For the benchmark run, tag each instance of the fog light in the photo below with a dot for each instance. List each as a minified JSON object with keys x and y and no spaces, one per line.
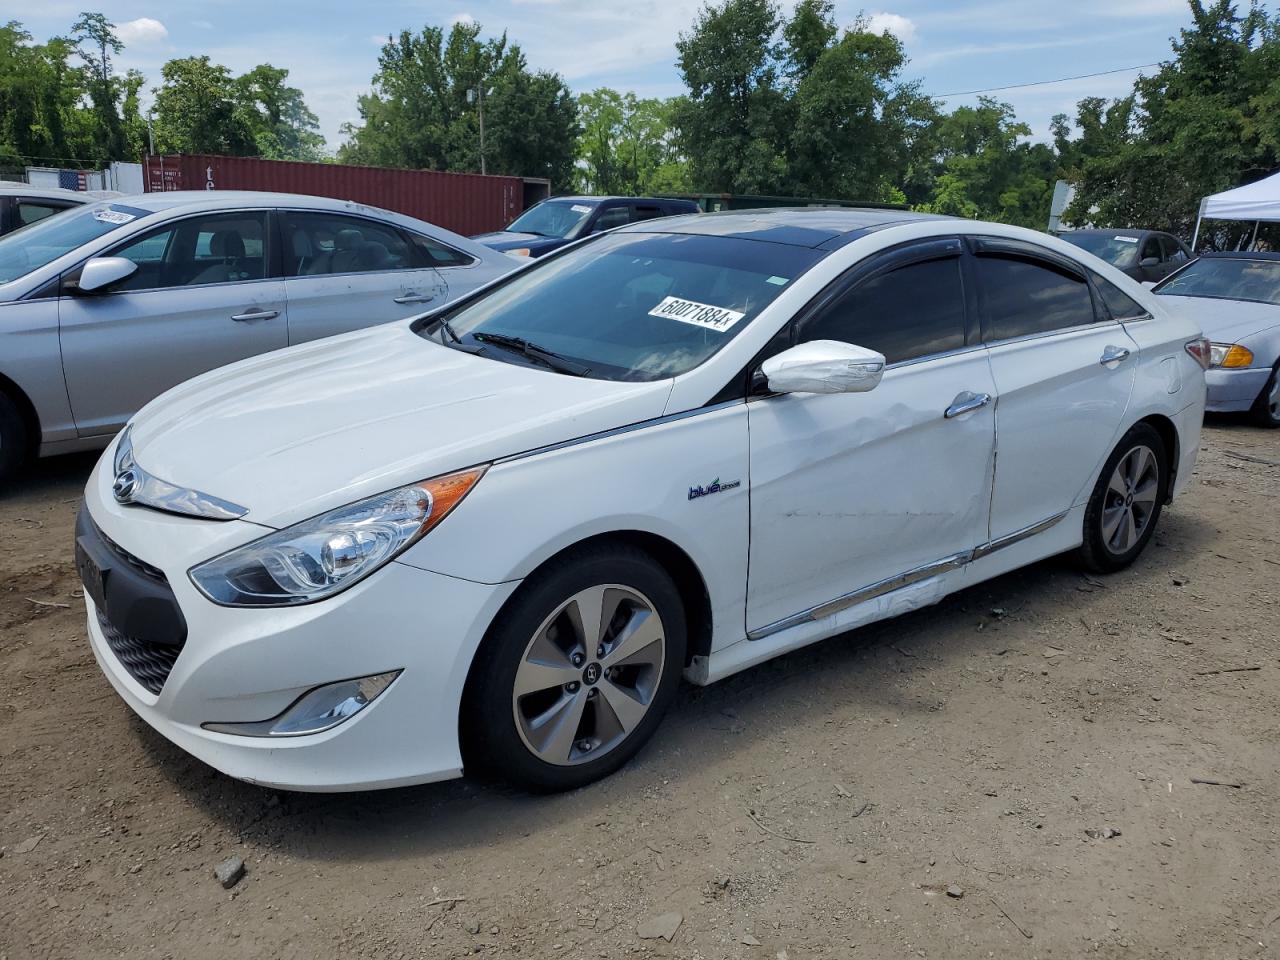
{"x":317,"y":710}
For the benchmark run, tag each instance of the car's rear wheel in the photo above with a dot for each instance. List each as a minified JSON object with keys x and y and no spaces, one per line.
{"x":577,"y":672}
{"x":1125,"y":506}
{"x":1266,"y":409}
{"x":13,"y":438}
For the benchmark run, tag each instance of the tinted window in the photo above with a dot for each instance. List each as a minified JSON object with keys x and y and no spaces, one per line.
{"x":909,"y":312}
{"x":646,"y":211}
{"x":613,"y":217}
{"x":633,"y":306}
{"x":32,"y":247}
{"x":1025,"y":297}
{"x":1172,"y":250}
{"x":318,"y":244}
{"x":1121,"y":305}
{"x":29,"y":211}
{"x":435,"y":254}
{"x":219,"y":248}
{"x":1150,"y":248}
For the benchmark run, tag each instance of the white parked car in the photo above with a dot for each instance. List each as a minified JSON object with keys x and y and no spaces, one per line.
{"x":497,"y":535}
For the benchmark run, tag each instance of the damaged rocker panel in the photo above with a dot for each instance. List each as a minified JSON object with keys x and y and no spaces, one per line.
{"x":889,"y":585}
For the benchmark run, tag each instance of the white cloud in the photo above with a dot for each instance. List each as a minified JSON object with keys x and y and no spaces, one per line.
{"x":140,"y":31}
{"x":903,"y":28}
{"x":463,"y":18}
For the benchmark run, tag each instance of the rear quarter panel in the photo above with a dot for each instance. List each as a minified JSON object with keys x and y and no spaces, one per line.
{"x":31,"y":357}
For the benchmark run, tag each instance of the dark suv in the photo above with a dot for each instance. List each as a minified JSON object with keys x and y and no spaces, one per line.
{"x":549,"y":225}
{"x":1145,"y":255}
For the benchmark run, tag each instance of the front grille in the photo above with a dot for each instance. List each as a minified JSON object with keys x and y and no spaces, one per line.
{"x":148,"y":663}
{"x":144,"y":568}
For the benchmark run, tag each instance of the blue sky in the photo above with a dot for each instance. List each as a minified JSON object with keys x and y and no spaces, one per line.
{"x":331,"y":49}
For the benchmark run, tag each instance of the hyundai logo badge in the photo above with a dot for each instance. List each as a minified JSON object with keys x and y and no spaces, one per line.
{"x":125,"y":485}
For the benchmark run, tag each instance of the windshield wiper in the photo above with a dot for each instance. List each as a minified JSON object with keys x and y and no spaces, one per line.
{"x":548,"y":358}
{"x":444,"y":326}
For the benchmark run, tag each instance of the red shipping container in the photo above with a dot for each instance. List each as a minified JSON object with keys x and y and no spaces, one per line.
{"x":466,"y":203}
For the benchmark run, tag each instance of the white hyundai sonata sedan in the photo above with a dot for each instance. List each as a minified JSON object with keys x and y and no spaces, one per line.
{"x":497,"y":535}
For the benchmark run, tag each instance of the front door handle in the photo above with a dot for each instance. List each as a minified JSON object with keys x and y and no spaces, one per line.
{"x":1113,"y":355}
{"x":415,"y":298}
{"x":255,"y":315}
{"x":966,"y":403}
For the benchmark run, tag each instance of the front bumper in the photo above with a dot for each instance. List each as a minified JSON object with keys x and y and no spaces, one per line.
{"x":1233,"y":391}
{"x":250,"y":664}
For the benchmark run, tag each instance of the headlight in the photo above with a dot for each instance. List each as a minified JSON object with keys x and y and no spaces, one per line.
{"x":124,"y":452}
{"x":322,"y":556}
{"x":1229,"y":355}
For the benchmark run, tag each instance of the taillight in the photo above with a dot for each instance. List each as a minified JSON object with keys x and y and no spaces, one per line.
{"x":1199,"y":349}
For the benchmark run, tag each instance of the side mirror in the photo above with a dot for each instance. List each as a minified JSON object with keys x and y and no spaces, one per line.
{"x":1149,"y":262}
{"x":824,"y":366}
{"x":100,"y":273}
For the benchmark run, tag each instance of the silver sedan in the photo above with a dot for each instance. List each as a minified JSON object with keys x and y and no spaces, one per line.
{"x":1235,"y":297}
{"x":108,"y":305}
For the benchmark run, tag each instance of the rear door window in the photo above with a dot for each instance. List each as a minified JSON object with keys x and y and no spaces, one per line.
{"x":906,"y":313}
{"x":322,"y":244}
{"x":29,"y":211}
{"x":1027,"y":297}
{"x":433,"y":253}
{"x":612,"y":217}
{"x":1150,"y":249}
{"x":1120,"y":304}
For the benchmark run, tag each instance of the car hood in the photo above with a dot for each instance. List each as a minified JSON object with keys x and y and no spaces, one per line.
{"x":503,"y":240}
{"x":293,"y":433}
{"x":1225,"y":321}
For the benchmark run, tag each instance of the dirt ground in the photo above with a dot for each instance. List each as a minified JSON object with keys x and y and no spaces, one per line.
{"x":1029,"y":744}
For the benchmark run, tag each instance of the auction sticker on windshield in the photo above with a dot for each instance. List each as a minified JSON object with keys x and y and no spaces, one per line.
{"x":705,"y":315}
{"x":1128,"y":239}
{"x":117,"y":217}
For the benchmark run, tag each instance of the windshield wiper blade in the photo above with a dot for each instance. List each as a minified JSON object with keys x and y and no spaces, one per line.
{"x":547,"y":357}
{"x":444,"y":325}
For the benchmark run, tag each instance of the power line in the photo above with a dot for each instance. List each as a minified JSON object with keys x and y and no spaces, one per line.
{"x":1041,"y":83}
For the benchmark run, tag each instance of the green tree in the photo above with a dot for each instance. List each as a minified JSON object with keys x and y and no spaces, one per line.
{"x":278,"y":119}
{"x":628,"y":145}
{"x":855,"y":120}
{"x":39,"y":92}
{"x":196,"y":110}
{"x":734,"y":120}
{"x":1205,"y":121}
{"x":989,"y":171}
{"x":96,"y":42}
{"x":424,"y":111}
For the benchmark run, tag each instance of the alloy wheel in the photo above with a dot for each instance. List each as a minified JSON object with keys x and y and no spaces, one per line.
{"x":589,"y":674}
{"x":1130,"y":499}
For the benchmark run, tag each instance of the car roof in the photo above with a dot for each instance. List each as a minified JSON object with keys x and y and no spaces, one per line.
{"x":1110,"y":231}
{"x":794,"y":226}
{"x":1240,"y":255}
{"x":169,"y":199}
{"x":585,"y":198}
{"x":46,"y":193}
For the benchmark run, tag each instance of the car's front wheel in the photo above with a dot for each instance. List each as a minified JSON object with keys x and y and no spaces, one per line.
{"x":577,"y":671}
{"x":1266,"y":409}
{"x":1125,"y":506}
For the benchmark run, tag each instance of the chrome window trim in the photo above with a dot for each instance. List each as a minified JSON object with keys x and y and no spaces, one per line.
{"x":890,"y":584}
{"x":1078,"y":328}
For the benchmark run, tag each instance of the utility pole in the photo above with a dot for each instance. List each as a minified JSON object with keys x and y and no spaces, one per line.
{"x":477,"y":94}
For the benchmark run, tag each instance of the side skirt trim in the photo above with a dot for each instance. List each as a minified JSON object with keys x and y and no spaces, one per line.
{"x":889,"y":585}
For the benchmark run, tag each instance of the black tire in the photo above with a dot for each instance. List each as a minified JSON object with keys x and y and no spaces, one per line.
{"x":1266,"y":409}
{"x":13,"y":439}
{"x":492,"y":737}
{"x":1106,"y":554}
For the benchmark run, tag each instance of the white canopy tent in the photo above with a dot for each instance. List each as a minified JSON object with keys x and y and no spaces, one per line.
{"x":1254,"y":201}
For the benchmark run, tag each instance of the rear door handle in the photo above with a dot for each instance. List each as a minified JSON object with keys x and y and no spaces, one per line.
{"x":966,"y":403}
{"x":415,"y":298}
{"x":255,"y":315}
{"x":1113,"y":355}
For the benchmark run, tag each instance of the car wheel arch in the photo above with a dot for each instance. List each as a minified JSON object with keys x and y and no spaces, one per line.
{"x":26,"y":410}
{"x":1172,"y":445}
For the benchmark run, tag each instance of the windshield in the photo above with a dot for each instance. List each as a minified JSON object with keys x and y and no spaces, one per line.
{"x":46,"y":240}
{"x":1226,"y":279}
{"x":631,"y":306}
{"x":1117,"y":249}
{"x":552,"y":218}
